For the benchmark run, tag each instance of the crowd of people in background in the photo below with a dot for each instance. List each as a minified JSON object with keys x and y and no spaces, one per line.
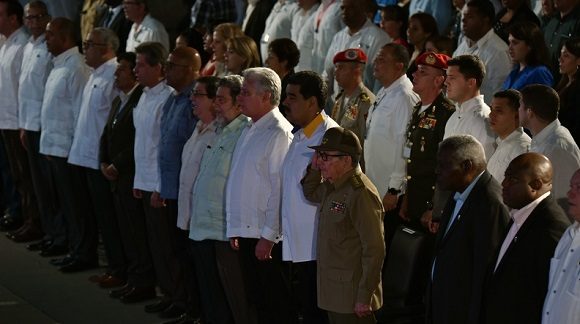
{"x":308,"y":161}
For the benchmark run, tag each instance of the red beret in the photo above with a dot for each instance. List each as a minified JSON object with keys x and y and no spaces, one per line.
{"x":433,"y":59}
{"x":350,"y":55}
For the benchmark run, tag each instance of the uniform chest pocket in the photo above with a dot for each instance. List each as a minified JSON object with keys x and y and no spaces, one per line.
{"x":339,"y":222}
{"x":574,"y":288}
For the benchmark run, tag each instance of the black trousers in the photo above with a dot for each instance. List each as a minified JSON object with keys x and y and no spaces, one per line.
{"x":304,"y":292}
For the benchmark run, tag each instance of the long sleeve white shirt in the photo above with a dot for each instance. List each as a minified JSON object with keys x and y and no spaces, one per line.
{"x":299,"y":218}
{"x":507,"y":149}
{"x":326,"y":23}
{"x":98,"y":96}
{"x":493,"y":51}
{"x":557,"y":144}
{"x":62,"y":101}
{"x":36,"y":65}
{"x":471,"y":118}
{"x":147,"y":119}
{"x":302,"y":34}
{"x":562,"y":304}
{"x":150,"y":30}
{"x":254,"y":185}
{"x":10,"y":66}
{"x":386,"y":127}
{"x":278,"y":24}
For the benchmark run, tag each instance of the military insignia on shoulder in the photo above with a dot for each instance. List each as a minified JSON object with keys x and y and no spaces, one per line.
{"x":365,"y":97}
{"x":337,"y":207}
{"x":356,"y":181}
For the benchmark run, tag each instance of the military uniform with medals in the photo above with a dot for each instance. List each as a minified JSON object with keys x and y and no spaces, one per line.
{"x":351,"y":113}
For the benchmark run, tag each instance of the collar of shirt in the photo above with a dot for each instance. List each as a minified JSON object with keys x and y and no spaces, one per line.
{"x":481,"y":42}
{"x":101,"y":69}
{"x":204,"y":128}
{"x":62,"y":57}
{"x":39,"y":40}
{"x":474,"y":104}
{"x":313,"y":125}
{"x":15,"y":35}
{"x":395,"y":84}
{"x":515,"y":134}
{"x":125,"y":96}
{"x":264,"y":122}
{"x":519,"y":216}
{"x":576,"y":231}
{"x":241,"y":119}
{"x":462,"y":196}
{"x":156,"y":89}
{"x":544,"y":133}
{"x":367,"y":25}
{"x":342,"y":180}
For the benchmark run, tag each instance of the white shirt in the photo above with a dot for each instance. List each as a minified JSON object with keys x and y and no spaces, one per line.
{"x":190,"y":161}
{"x":562,"y":304}
{"x":471,"y":118}
{"x":10,"y":66}
{"x":326,"y":23}
{"x":386,"y":127}
{"x":519,"y":217}
{"x":507,"y":149}
{"x":150,"y":30}
{"x":302,"y":34}
{"x":98,"y":96}
{"x":556,"y":143}
{"x":147,"y":120}
{"x":299,"y":217}
{"x":36,"y":65}
{"x":278,"y":24}
{"x":493,"y":51}
{"x":63,"y":94}
{"x":254,"y":185}
{"x":370,"y":39}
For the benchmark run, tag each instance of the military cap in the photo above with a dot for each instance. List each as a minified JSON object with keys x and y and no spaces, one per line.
{"x":350,"y":55}
{"x":339,"y":139}
{"x":435,"y":60}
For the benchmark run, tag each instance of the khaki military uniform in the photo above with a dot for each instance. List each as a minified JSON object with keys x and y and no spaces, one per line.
{"x":91,"y":14}
{"x":350,"y":242}
{"x":352,"y":113}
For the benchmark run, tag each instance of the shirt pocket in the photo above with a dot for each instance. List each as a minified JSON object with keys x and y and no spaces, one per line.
{"x":574,"y":288}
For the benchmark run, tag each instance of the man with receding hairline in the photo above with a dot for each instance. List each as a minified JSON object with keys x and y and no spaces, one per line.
{"x":517,"y":280}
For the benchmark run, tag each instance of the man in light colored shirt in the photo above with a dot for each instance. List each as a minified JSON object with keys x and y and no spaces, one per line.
{"x":302,"y":32}
{"x":59,"y":114}
{"x":561,"y":304}
{"x":441,"y":10}
{"x":465,"y":75}
{"x":253,"y":216}
{"x":538,"y":113}
{"x":145,"y":28}
{"x":511,"y":140}
{"x":326,"y":24}
{"x":518,"y":278}
{"x":481,"y":40}
{"x":305,"y":98}
{"x":278,"y":24}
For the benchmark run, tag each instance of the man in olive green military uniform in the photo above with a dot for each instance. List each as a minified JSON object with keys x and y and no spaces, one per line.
{"x":350,"y":242}
{"x":351,"y":106}
{"x":425,"y":131}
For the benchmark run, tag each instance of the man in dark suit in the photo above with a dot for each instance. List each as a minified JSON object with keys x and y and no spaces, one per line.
{"x":118,"y":166}
{"x":114,"y":18}
{"x":472,"y":224}
{"x":518,"y":279}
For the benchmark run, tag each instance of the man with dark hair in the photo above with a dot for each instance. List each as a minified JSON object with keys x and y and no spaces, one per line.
{"x":565,"y":24}
{"x":145,"y":28}
{"x":465,"y":75}
{"x":511,"y":140}
{"x":305,"y":98}
{"x":538,"y":113}
{"x":350,"y":246}
{"x":114,"y":19}
{"x":472,"y":223}
{"x":517,"y":280}
{"x":481,"y":40}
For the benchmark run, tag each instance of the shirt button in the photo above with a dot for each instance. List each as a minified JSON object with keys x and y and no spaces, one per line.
{"x":554,"y":291}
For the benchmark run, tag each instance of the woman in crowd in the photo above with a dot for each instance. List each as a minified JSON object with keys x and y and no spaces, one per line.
{"x":421,"y":27}
{"x":222,"y":34}
{"x":242,"y":53}
{"x":529,"y":54}
{"x":283,"y":56}
{"x":394,"y":20}
{"x":513,"y":11}
{"x":569,"y":88}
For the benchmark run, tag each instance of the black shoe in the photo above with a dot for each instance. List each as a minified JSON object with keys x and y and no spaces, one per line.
{"x":157,"y":307}
{"x":9,"y":223}
{"x":77,"y":266}
{"x":117,"y":293}
{"x":138,"y":294}
{"x":40,"y":245}
{"x":54,"y":250}
{"x":172,"y":311}
{"x":62,"y":261}
{"x":184,"y":319}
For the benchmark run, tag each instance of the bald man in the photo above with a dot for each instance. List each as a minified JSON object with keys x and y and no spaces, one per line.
{"x":517,"y":282}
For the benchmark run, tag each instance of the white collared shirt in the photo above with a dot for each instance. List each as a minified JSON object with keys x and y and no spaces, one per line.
{"x":562,"y":304}
{"x":557,"y":144}
{"x":10,"y":66}
{"x":150,"y":30}
{"x":98,"y":96}
{"x":471,"y":118}
{"x":386,"y":127}
{"x":278,"y":24}
{"x":254,"y":184}
{"x":302,"y":34}
{"x":299,"y":217}
{"x":493,"y":51}
{"x":36,"y":65}
{"x":507,"y":149}
{"x":63,"y":94}
{"x":147,"y":118}
{"x":326,"y":24}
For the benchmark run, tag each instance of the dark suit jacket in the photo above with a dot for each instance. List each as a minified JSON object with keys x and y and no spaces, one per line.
{"x":464,"y":254}
{"x":121,"y":26}
{"x":118,"y":139}
{"x":515,"y":292}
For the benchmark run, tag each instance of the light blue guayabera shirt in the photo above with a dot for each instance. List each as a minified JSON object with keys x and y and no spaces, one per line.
{"x":208,"y":215}
{"x":441,"y":10}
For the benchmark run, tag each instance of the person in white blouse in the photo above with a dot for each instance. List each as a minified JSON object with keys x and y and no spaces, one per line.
{"x":326,"y":23}
{"x":145,"y":28}
{"x":511,"y":140}
{"x":465,"y":75}
{"x":538,"y":113}
{"x":302,"y":32}
{"x":253,"y":194}
{"x":563,"y":297}
{"x":481,"y":40}
{"x":306,"y":95}
{"x":278,"y":24}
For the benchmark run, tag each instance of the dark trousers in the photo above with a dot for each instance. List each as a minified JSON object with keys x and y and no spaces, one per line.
{"x":266,"y":287}
{"x":10,"y":197}
{"x":133,"y":232}
{"x":305,"y":293}
{"x":73,"y":194}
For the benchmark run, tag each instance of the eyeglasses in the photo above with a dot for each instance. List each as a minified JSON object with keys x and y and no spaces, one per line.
{"x":35,"y":17}
{"x":324,"y":156}
{"x":199,"y":94}
{"x":90,"y":44}
{"x":171,"y":65}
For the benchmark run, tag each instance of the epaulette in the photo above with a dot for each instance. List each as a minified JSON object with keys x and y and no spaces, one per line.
{"x":365,"y":97}
{"x":356,"y":181}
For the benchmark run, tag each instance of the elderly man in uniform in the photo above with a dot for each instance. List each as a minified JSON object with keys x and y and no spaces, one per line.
{"x":352,"y":104}
{"x":350,"y":246}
